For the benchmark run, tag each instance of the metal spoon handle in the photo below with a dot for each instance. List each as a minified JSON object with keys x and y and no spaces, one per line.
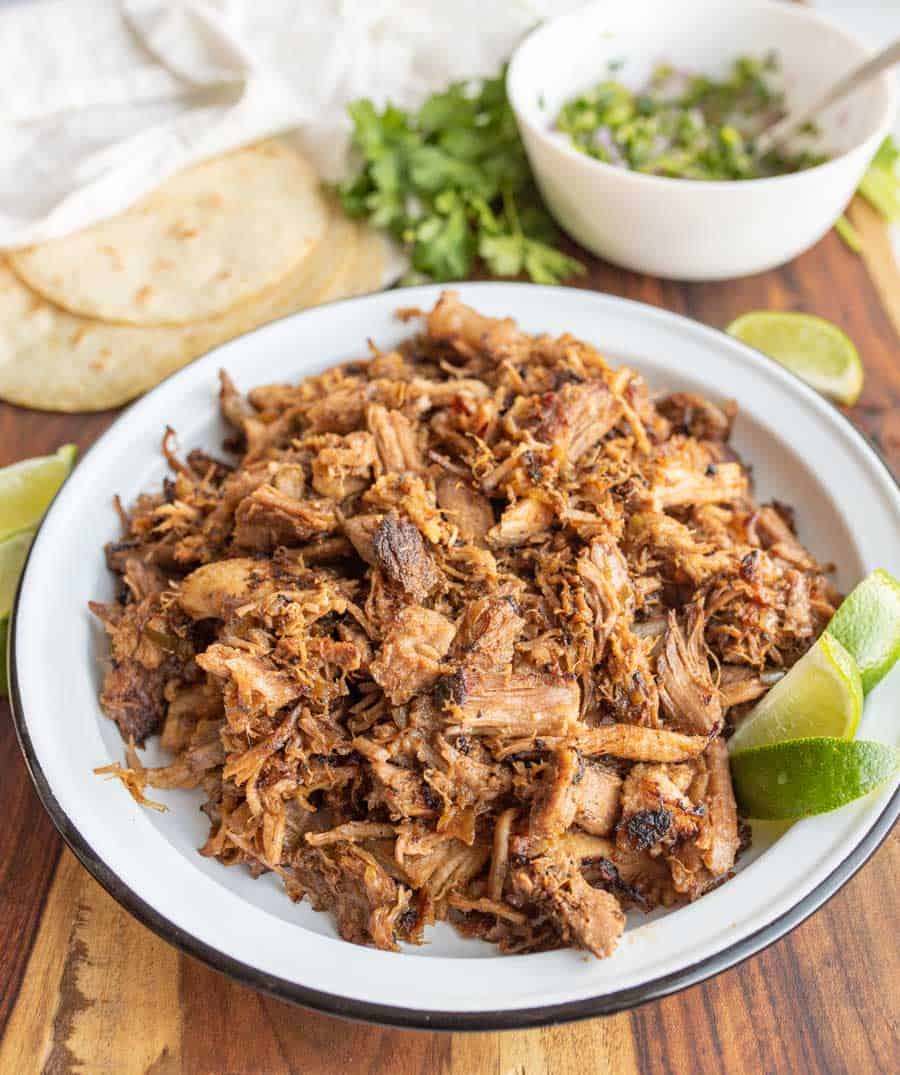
{"x":866,"y":71}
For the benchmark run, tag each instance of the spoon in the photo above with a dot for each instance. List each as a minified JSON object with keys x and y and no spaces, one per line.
{"x":771,"y":136}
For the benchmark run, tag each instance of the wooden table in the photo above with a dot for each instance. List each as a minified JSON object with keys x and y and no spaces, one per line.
{"x":86,"y":989}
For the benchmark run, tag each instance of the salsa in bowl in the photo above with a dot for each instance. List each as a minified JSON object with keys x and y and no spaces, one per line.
{"x":685,"y":125}
{"x":691,"y":225}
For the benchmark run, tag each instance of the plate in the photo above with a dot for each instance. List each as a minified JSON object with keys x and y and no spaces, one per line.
{"x":803,"y":452}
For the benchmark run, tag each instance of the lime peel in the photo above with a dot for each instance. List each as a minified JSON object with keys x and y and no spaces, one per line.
{"x":817,"y":351}
{"x":13,"y":553}
{"x":868,"y":625}
{"x":4,"y":631}
{"x":26,"y":489}
{"x":802,"y":777}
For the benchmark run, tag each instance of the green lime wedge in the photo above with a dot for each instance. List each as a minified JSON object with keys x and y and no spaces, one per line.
{"x":808,"y":776}
{"x":12,"y":558}
{"x":817,"y":351}
{"x":821,"y":695}
{"x":868,"y":626}
{"x":27,"y":488}
{"x":4,"y":629}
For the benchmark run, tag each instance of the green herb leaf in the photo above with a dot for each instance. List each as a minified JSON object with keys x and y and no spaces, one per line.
{"x":432,"y":170}
{"x":509,"y":255}
{"x":452,"y":182}
{"x":504,"y":255}
{"x":546,"y":265}
{"x":444,"y":246}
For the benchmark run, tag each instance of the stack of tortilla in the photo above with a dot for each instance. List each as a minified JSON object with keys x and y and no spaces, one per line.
{"x":92,"y":320}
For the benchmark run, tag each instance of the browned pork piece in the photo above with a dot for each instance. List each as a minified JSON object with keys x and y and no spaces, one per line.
{"x":686,"y":689}
{"x":411,"y":652}
{"x":457,"y":635}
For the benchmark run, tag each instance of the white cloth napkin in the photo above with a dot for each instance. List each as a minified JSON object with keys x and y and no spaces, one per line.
{"x":101,"y":101}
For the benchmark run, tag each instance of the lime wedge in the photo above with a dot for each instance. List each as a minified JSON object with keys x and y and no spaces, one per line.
{"x":821,"y":695}
{"x":4,"y":630}
{"x":27,"y":488}
{"x":808,"y":776}
{"x":868,"y":626}
{"x":817,"y":351}
{"x":12,"y":558}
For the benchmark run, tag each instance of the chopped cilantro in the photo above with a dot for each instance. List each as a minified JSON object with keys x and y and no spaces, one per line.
{"x":685,"y":126}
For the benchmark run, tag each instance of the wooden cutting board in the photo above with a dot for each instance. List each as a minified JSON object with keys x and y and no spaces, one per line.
{"x":85,"y":989}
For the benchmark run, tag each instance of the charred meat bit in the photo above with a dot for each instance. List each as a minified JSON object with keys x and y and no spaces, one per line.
{"x":655,"y":808}
{"x":401,"y":553}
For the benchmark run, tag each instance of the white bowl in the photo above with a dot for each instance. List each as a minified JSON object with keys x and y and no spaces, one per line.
{"x":250,"y":929}
{"x":681,"y":228}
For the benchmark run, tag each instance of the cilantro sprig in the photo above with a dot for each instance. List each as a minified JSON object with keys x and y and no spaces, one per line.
{"x":452,"y":183}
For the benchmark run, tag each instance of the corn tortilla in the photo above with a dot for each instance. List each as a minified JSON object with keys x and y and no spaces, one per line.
{"x":208,"y":239}
{"x":51,"y":359}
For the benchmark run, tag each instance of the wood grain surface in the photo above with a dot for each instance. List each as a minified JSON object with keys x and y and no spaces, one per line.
{"x":85,"y":989}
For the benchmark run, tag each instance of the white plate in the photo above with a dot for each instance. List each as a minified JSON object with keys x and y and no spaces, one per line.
{"x":803,"y":452}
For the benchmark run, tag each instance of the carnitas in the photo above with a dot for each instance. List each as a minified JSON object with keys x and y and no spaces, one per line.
{"x":459,"y":633}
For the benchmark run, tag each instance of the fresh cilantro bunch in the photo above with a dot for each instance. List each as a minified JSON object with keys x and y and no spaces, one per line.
{"x":452,"y":183}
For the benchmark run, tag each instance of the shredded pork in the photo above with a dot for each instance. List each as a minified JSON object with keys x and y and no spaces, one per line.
{"x":459,"y":634}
